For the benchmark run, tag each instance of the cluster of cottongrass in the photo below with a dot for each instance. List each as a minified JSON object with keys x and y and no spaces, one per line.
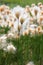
{"x":5,"y":46}
{"x":26,"y":20}
{"x":22,"y":20}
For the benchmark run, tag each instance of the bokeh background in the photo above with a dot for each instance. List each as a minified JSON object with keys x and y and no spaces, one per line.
{"x":19,"y":2}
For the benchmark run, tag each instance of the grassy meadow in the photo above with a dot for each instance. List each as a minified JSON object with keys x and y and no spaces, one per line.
{"x":28,"y":48}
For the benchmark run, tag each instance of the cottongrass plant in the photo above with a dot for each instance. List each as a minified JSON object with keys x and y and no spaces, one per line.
{"x":15,"y":23}
{"x":22,"y":20}
{"x":30,"y":63}
{"x":7,"y":50}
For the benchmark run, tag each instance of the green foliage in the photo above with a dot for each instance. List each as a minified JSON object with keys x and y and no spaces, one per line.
{"x":29,"y":49}
{"x":4,"y":30}
{"x":20,"y":2}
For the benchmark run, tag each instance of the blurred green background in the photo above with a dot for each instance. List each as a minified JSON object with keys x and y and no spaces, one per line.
{"x":20,"y":2}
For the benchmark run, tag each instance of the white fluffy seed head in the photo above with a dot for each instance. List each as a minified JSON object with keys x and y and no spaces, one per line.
{"x":10,"y":49}
{"x":30,"y":63}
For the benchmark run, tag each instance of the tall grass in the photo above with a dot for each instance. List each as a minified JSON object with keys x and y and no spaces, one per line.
{"x":28,"y":48}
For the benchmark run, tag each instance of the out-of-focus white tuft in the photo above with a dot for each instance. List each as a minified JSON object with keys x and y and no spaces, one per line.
{"x":3,"y":42}
{"x":10,"y":48}
{"x":30,"y":63}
